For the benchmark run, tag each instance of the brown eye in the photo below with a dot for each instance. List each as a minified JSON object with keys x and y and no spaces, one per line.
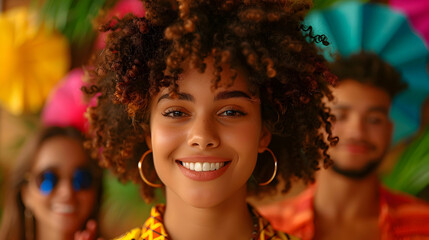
{"x":374,"y":120}
{"x":232,"y":113}
{"x":340,"y":116}
{"x":174,"y":114}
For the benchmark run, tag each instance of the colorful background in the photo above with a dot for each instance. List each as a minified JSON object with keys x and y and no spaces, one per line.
{"x":44,"y":46}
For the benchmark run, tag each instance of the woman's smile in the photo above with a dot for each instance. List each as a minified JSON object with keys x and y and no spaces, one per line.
{"x":63,"y":208}
{"x":203,"y":168}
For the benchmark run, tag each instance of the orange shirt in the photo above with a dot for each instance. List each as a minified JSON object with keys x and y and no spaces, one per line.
{"x":401,"y":216}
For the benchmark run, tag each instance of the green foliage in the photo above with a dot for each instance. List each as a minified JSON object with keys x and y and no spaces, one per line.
{"x":73,"y":18}
{"x":321,"y":4}
{"x":411,"y":172}
{"x":119,"y":197}
{"x":123,"y":207}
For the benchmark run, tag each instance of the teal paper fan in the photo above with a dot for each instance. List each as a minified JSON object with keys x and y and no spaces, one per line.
{"x":354,"y":26}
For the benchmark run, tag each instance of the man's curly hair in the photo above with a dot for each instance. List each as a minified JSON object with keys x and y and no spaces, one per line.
{"x":265,"y":38}
{"x":369,"y":68}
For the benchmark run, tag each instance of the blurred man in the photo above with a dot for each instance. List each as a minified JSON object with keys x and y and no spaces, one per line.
{"x":347,"y":201}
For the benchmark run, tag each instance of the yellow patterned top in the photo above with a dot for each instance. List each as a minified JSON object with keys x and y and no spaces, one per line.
{"x":154,"y":229}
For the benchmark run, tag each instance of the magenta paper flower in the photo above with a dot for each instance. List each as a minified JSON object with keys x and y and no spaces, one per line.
{"x":418,"y":13}
{"x":65,"y":105}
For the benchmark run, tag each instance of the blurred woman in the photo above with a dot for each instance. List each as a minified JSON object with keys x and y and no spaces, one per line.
{"x":54,"y":188}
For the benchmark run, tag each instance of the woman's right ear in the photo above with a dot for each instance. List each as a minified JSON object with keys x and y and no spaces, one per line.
{"x":24,"y":195}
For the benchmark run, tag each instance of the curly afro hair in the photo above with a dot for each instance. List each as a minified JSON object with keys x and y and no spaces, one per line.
{"x":265,"y":38}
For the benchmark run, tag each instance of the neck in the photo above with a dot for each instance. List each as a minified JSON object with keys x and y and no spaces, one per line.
{"x":339,"y":197}
{"x":228,"y":220}
{"x":50,"y":233}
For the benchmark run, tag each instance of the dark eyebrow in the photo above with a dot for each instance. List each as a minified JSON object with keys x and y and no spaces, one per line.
{"x":231,"y":94}
{"x":181,"y":96}
{"x":340,"y":107}
{"x":380,"y":109}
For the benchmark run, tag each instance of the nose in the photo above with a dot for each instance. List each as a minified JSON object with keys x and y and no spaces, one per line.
{"x":203,"y":134}
{"x":356,"y":128}
{"x":64,"y":189}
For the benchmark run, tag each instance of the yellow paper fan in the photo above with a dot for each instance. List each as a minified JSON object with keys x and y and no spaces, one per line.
{"x":32,"y":60}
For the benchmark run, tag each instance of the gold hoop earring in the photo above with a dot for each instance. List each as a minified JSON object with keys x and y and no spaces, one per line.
{"x":275,"y":169}
{"x":140,"y":165}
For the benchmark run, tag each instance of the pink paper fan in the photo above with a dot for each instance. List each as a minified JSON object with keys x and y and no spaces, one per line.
{"x":65,"y":105}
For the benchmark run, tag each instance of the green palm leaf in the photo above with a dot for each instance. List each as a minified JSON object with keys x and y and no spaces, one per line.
{"x":73,"y":18}
{"x":321,"y":4}
{"x":411,"y":172}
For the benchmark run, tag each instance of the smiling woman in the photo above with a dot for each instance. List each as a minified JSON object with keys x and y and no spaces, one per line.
{"x":213,"y":101}
{"x":54,"y":188}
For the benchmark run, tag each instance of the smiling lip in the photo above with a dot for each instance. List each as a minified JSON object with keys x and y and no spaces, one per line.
{"x":203,"y":168}
{"x":357,"y":149}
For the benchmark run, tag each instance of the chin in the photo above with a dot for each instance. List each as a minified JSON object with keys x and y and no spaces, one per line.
{"x":352,"y":166}
{"x":70,"y":226}
{"x":354,"y":172}
{"x":351,"y":161}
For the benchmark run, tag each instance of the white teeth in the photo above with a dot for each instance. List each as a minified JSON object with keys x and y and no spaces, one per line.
{"x":206,"y":166}
{"x":203,"y":166}
{"x":63,"y":208}
{"x":198,"y":167}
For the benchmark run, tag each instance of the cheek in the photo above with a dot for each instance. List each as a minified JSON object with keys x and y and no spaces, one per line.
{"x":30,"y":199}
{"x":163,"y":137}
{"x":243,"y":135}
{"x":34,"y":200}
{"x":87,"y":201}
{"x":381,"y":136}
{"x":244,"y":139}
{"x":38,"y":204}
{"x":337,"y":128}
{"x":165,"y":140}
{"x":334,"y":127}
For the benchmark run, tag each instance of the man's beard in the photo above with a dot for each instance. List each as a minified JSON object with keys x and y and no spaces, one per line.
{"x":358,"y":174}
{"x":366,"y":170}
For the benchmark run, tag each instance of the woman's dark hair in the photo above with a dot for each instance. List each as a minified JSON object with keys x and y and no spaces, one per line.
{"x":13,"y":224}
{"x":265,"y":38}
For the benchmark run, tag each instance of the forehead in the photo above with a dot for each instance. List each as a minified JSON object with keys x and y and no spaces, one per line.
{"x":360,"y":96}
{"x":61,"y":153}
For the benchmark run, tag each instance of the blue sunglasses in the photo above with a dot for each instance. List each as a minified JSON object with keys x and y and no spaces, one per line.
{"x":48,"y":179}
